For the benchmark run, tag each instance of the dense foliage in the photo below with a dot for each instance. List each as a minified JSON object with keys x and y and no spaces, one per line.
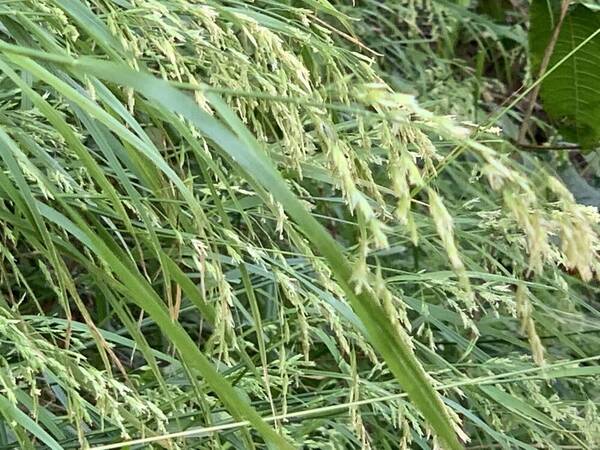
{"x":285,"y":224}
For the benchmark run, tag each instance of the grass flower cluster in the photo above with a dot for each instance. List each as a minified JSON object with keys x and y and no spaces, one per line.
{"x":231,"y":224}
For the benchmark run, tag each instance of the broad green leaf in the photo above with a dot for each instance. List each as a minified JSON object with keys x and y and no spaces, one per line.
{"x":570,"y":92}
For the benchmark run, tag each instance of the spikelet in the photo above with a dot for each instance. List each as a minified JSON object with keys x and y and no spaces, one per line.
{"x":524,"y":313}
{"x":579,"y":242}
{"x":297,"y":298}
{"x":223,"y":337}
{"x":445,"y":229}
{"x":356,"y":419}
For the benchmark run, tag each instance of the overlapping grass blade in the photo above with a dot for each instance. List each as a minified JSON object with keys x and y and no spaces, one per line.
{"x":245,"y":153}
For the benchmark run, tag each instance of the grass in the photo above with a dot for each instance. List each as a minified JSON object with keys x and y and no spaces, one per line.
{"x":222,"y":228}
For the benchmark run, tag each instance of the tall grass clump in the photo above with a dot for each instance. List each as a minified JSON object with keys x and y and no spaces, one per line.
{"x":232,"y":224}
